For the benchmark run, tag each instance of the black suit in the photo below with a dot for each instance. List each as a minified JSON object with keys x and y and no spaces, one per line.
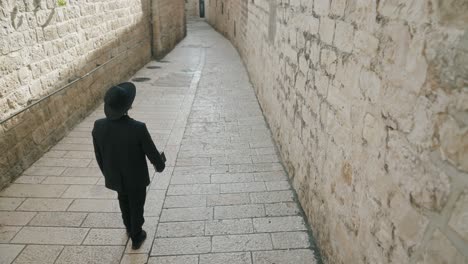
{"x":121,"y":147}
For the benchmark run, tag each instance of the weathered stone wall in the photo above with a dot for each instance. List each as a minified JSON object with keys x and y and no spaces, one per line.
{"x":168,"y":25}
{"x":192,"y":8}
{"x":368,"y":102}
{"x":84,"y":46}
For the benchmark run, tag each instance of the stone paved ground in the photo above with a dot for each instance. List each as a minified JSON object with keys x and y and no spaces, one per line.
{"x":223,"y":198}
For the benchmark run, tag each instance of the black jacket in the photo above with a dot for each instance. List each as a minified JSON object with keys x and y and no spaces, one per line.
{"x":120,"y":147}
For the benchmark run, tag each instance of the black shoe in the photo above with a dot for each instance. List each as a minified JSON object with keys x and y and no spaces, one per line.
{"x":138,"y":241}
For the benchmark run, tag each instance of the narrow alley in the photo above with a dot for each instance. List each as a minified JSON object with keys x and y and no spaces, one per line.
{"x":223,"y":198}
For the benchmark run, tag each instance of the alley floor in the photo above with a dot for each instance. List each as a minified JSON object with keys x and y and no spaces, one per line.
{"x":223,"y":198}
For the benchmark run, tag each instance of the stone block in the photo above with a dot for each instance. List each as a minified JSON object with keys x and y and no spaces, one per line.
{"x":63,"y":219}
{"x":181,"y":229}
{"x":279,"y":224}
{"x":174,"y":260}
{"x":8,"y":232}
{"x":8,"y":253}
{"x":227,"y":199}
{"x":45,"y":204}
{"x":186,"y":214}
{"x":459,"y":219}
{"x":290,"y":240}
{"x":239,"y":211}
{"x":90,"y":254}
{"x":181,"y":246}
{"x":327,"y":30}
{"x":106,"y":237}
{"x":51,"y":235}
{"x":344,"y":35}
{"x":232,"y":243}
{"x":272,"y":197}
{"x":45,"y":254}
{"x":299,"y":256}
{"x":231,"y":258}
{"x":322,"y":7}
{"x":228,"y":227}
{"x":440,"y":250}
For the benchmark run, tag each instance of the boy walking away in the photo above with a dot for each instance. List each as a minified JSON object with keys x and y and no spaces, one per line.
{"x":121,"y":145}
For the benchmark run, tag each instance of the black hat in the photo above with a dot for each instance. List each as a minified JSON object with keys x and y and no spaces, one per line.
{"x":118,"y":100}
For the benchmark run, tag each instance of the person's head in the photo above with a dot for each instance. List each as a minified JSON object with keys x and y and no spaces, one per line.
{"x":118,"y":100}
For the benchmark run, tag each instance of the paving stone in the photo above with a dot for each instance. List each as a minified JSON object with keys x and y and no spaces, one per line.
{"x":30,"y":179}
{"x":62,"y":162}
{"x":231,"y":258}
{"x":34,"y":190}
{"x":272,"y":197}
{"x":232,"y":177}
{"x":193,"y":162}
{"x":50,"y":235}
{"x":231,"y":160}
{"x":90,"y":255}
{"x":15,"y":218}
{"x":277,"y":185}
{"x":299,"y":256}
{"x":94,"y":205}
{"x":271,"y":176}
{"x":69,"y":147}
{"x":259,"y":167}
{"x":82,"y":172}
{"x":79,"y":155}
{"x":45,"y":204}
{"x":181,"y":246}
{"x":10,"y":204}
{"x":232,"y":243}
{"x":181,"y":229}
{"x":89,"y":191}
{"x":71,"y":180}
{"x":190,"y":179}
{"x":104,"y":220}
{"x":278,"y":224}
{"x":65,"y":219}
{"x":186,"y":214}
{"x":185,"y":201}
{"x":242,"y":187}
{"x":228,"y":199}
{"x":239,"y":211}
{"x":281,"y":209}
{"x":56,"y":153}
{"x":8,"y":232}
{"x":44,"y":171}
{"x":134,"y":259}
{"x":290,"y":240}
{"x":9,"y":252}
{"x":265,"y":158}
{"x":228,"y":227}
{"x":106,"y":237}
{"x":193,"y":189}
{"x":39,"y":254}
{"x":174,"y":260}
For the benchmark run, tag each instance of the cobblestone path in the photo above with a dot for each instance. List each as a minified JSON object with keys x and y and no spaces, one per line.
{"x":223,"y":198}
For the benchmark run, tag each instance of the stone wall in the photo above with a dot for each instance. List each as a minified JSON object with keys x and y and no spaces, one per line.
{"x":55,"y":64}
{"x":168,"y":25}
{"x":192,"y":8}
{"x":368,"y":102}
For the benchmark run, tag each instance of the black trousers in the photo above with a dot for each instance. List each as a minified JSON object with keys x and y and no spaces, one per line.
{"x":132,"y":206}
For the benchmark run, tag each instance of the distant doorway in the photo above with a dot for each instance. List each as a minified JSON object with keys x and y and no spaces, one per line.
{"x":202,"y":8}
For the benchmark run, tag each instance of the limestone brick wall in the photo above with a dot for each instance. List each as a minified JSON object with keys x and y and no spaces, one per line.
{"x":368,"y":102}
{"x":168,"y":25}
{"x":56,"y":61}
{"x":192,"y":8}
